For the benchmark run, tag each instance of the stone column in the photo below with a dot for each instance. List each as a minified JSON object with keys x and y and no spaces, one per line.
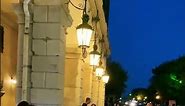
{"x":94,"y":89}
{"x":73,"y":79}
{"x":101,"y":94}
{"x":86,"y":82}
{"x":47,"y":47}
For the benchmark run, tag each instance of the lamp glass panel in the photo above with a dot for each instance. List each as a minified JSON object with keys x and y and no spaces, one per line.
{"x":84,"y":36}
{"x":94,"y":59}
{"x":105,"y":78}
{"x":99,"y":71}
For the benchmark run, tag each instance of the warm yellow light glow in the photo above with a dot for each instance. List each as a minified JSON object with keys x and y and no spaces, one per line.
{"x":145,"y":97}
{"x":99,"y":71}
{"x":158,"y":97}
{"x":105,"y":78}
{"x":84,"y":33}
{"x":13,"y":81}
{"x":94,"y":58}
{"x":139,"y":97}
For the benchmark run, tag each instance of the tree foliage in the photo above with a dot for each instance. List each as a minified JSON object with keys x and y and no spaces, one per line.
{"x":118,"y":77}
{"x":169,"y":80}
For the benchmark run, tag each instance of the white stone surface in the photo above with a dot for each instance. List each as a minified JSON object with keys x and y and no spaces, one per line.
{"x":18,"y":94}
{"x":54,"y":13}
{"x":62,"y":35}
{"x":43,"y":30}
{"x":38,"y":80}
{"x":40,"y":13}
{"x":54,"y":80}
{"x":45,"y":63}
{"x":39,"y":47}
{"x":46,"y":96}
{"x":53,"y":47}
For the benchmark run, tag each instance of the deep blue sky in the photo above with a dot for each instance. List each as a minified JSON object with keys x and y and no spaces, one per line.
{"x":144,"y":34}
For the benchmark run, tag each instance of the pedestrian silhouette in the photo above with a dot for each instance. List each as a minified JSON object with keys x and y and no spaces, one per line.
{"x":23,"y":103}
{"x":87,"y":101}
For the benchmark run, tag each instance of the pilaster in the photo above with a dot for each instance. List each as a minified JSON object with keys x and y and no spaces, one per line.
{"x":95,"y":88}
{"x":47,"y":53}
{"x":73,"y":79}
{"x":86,"y":82}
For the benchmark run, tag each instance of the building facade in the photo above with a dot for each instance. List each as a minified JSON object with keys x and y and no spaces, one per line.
{"x":41,"y":53}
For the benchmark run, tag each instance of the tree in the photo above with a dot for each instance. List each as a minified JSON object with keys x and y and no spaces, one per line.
{"x":117,"y":82}
{"x":169,"y":80}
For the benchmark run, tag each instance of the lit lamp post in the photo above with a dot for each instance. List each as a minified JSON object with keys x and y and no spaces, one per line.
{"x":139,"y":97}
{"x":99,"y":72}
{"x":158,"y":97}
{"x":84,"y":32}
{"x":94,"y":56}
{"x":105,"y":78}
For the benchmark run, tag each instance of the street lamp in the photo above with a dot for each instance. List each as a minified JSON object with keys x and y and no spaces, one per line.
{"x":99,"y":71}
{"x":84,"y":32}
{"x":105,"y":78}
{"x":94,"y":56}
{"x":139,"y":97}
{"x":13,"y":81}
{"x":158,"y":97}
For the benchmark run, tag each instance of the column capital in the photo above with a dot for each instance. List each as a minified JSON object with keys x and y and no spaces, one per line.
{"x":18,"y":9}
{"x":64,"y":16}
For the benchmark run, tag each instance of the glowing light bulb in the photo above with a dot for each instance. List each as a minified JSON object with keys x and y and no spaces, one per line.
{"x":13,"y":81}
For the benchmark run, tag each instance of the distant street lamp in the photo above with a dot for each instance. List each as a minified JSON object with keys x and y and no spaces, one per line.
{"x":105,"y":78}
{"x":139,"y":97}
{"x":94,"y":56}
{"x":99,"y":71}
{"x":145,"y":97}
{"x":158,"y":97}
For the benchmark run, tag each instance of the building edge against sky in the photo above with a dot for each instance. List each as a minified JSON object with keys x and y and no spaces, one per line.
{"x":42,"y":55}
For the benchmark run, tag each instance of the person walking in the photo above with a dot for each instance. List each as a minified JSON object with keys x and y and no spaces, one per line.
{"x":87,"y":101}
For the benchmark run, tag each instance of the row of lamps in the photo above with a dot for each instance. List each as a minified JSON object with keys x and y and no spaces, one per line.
{"x":84,"y":33}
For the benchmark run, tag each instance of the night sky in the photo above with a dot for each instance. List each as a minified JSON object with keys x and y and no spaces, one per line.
{"x":144,"y":34}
